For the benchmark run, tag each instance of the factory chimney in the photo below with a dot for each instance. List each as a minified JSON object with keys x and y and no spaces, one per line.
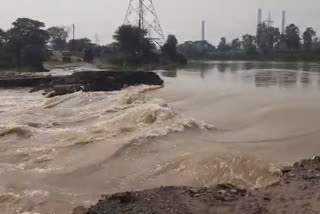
{"x":203,"y":31}
{"x":259,"y":16}
{"x":283,"y":27}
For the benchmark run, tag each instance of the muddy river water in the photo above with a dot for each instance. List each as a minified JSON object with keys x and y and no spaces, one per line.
{"x":212,"y":122}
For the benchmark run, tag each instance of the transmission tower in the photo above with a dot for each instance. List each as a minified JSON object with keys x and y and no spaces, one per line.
{"x":142,"y":13}
{"x":269,"y":21}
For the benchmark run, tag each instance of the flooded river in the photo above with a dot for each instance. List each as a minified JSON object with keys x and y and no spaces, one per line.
{"x":212,"y":122}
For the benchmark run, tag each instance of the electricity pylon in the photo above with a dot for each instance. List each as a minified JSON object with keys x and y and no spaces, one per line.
{"x":142,"y":13}
{"x":269,"y":21}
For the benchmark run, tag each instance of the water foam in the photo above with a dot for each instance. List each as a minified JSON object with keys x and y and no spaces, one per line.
{"x":21,"y":131}
{"x":138,"y":117}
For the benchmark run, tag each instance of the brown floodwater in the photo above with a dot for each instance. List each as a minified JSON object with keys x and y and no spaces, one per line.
{"x":212,"y":122}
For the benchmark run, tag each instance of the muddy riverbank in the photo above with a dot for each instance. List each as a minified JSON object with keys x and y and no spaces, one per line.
{"x":297,"y":191}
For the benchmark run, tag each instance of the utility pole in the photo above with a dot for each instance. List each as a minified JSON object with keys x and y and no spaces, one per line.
{"x":73,"y":29}
{"x":141,"y":13}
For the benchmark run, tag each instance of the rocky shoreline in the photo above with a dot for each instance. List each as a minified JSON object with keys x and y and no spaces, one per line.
{"x":298,"y":191}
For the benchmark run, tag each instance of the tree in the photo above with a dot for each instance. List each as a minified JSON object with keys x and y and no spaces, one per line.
{"x":33,"y":53}
{"x":133,"y":43}
{"x":131,"y":39}
{"x":196,"y":49}
{"x":58,"y":38}
{"x":316,"y":44}
{"x":79,"y":45}
{"x":170,"y":47}
{"x":3,"y":38}
{"x":27,"y":41}
{"x":293,"y":37}
{"x":236,"y":44}
{"x":5,"y":60}
{"x":308,"y":37}
{"x":223,"y":46}
{"x":249,"y":43}
{"x":88,"y":55}
{"x":282,"y":44}
{"x":267,"y":37}
{"x":148,"y":48}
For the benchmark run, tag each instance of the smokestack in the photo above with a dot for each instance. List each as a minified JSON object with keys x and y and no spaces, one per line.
{"x":259,"y":16}
{"x":203,"y":31}
{"x":283,"y":27}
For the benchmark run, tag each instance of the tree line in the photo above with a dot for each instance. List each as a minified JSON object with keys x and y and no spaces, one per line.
{"x":132,"y":46}
{"x":28,"y":43}
{"x":267,"y":43}
{"x":268,"y":39}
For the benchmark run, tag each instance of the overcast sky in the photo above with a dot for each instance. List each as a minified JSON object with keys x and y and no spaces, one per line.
{"x":230,"y":18}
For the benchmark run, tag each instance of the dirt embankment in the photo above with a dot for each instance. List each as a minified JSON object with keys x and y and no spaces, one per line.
{"x":82,"y":81}
{"x":298,"y":191}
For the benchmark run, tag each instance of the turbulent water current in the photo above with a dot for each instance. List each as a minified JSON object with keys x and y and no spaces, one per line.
{"x":213,"y":122}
